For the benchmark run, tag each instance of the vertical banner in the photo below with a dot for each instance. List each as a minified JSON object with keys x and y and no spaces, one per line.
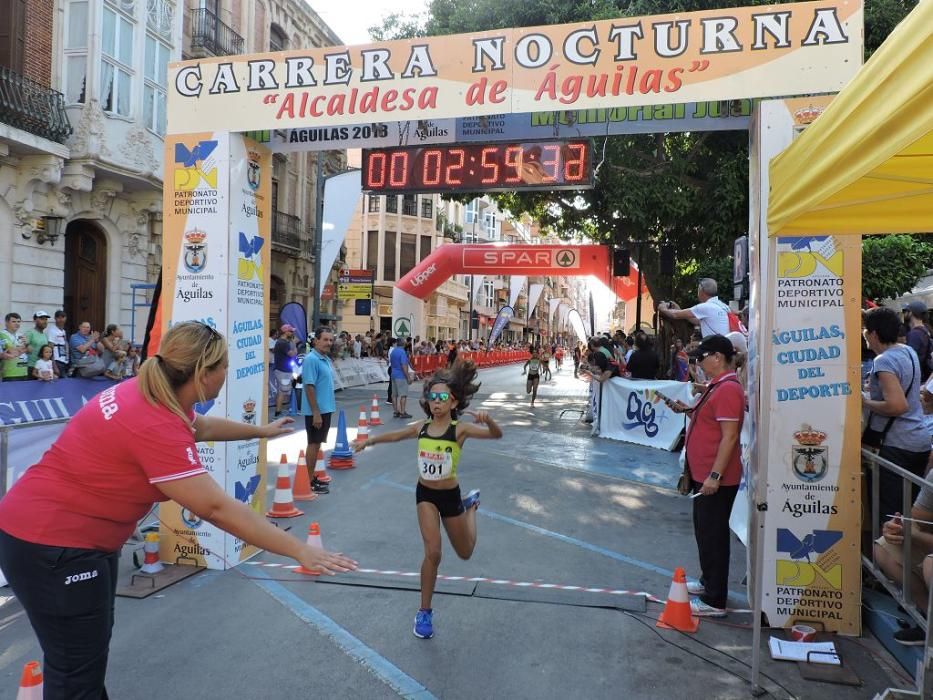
{"x":516,"y":285}
{"x":812,"y":567}
{"x":215,"y":266}
{"x":341,"y":198}
{"x":249,"y":238}
{"x":194,"y":284}
{"x":534,"y":293}
{"x":502,"y":320}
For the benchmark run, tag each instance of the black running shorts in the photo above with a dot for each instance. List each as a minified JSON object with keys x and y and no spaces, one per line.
{"x":448,"y":502}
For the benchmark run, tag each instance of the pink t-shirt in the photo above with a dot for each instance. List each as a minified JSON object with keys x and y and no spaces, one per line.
{"x":101,"y":474}
{"x":726,"y":403}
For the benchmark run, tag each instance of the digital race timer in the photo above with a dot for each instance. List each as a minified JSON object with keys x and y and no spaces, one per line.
{"x":551,"y":165}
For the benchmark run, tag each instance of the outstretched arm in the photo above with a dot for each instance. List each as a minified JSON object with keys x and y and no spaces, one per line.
{"x":476,"y":429}
{"x":409,"y":431}
{"x":211,"y":428}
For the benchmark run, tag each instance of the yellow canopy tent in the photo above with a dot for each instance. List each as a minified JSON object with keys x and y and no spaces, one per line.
{"x":866,"y":164}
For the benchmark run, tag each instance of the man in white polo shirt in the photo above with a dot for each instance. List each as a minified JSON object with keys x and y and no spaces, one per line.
{"x":711,"y":315}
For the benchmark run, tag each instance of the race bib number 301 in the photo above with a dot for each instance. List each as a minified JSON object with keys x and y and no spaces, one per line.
{"x":434,"y":466}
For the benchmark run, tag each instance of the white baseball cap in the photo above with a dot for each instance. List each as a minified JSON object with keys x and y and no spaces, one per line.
{"x":41,"y":314}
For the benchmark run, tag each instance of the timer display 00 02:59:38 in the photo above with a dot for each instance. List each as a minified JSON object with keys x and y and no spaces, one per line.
{"x":479,"y":167}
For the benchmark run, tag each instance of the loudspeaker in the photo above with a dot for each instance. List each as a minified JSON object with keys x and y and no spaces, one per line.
{"x":621,"y":266}
{"x":667,"y":260}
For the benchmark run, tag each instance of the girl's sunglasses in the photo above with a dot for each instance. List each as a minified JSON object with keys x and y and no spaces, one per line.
{"x":438,"y":395}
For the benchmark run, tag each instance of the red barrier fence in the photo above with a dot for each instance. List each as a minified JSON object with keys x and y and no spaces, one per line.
{"x":425,"y":365}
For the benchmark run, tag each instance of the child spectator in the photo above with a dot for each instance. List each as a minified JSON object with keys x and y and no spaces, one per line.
{"x":115,"y":369}
{"x":45,"y":370}
{"x":131,"y":363}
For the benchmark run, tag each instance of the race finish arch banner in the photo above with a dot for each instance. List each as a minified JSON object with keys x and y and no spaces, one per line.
{"x":807,"y":441}
{"x":711,"y":55}
{"x":722,"y":115}
{"x":454,"y":259}
{"x":774,"y":50}
{"x":216,"y":251}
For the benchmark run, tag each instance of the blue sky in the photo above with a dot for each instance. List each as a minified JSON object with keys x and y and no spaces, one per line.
{"x":350,"y":19}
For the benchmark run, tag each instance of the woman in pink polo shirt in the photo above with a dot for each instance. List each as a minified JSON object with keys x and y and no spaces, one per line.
{"x":712,"y":447}
{"x":63,"y":523}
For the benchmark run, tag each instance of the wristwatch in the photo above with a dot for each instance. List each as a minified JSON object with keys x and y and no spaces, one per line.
{"x":715,"y":475}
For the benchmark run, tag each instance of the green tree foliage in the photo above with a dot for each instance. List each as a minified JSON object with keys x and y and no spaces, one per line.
{"x":686,"y":190}
{"x":892,"y":265}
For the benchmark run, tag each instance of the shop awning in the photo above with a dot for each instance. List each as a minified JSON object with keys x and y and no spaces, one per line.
{"x":866,"y":164}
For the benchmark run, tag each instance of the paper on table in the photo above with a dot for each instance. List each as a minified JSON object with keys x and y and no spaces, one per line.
{"x":784,"y":650}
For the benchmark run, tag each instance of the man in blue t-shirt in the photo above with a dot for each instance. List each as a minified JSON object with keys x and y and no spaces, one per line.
{"x":401,"y":375}
{"x":317,"y":376}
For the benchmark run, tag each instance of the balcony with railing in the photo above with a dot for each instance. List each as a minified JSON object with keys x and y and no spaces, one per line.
{"x":27,"y":105}
{"x":211,"y":36}
{"x":286,"y":232}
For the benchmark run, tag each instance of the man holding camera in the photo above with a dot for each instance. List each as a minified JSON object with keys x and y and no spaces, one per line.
{"x":711,"y":314}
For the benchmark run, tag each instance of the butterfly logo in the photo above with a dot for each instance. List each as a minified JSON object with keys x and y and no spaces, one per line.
{"x":244,"y":492}
{"x":817,"y":541}
{"x":192,"y":166}
{"x":249,"y":266}
{"x":204,"y":408}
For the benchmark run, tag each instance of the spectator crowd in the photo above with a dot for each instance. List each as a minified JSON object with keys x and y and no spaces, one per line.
{"x":46,"y":352}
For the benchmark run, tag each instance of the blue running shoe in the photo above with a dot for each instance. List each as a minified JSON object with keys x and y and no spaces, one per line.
{"x":424,"y":629}
{"x":471,"y":499}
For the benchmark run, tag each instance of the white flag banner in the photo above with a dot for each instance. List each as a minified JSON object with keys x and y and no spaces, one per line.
{"x":552,"y":307}
{"x":477,"y":285}
{"x":516,"y":284}
{"x":562,"y":312}
{"x":341,"y":198}
{"x":632,"y":411}
{"x":534,"y":293}
{"x":577,"y":324}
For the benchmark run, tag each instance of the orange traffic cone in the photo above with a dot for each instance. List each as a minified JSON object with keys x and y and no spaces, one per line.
{"x":374,"y":412}
{"x":302,"y":491}
{"x":320,"y":468}
{"x":314,"y":539}
{"x":676,"y":615}
{"x":151,"y":563}
{"x":362,"y":426}
{"x":30,"y":683}
{"x":283,"y":505}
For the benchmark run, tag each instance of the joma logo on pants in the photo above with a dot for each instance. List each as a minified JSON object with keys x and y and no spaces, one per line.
{"x":85,"y":576}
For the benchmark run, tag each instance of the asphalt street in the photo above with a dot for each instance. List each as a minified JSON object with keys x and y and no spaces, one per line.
{"x":559,"y":508}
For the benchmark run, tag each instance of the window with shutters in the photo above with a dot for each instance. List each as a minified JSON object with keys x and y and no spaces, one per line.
{"x":388,"y":259}
{"x":76,"y":35}
{"x":116,"y":65}
{"x":407,"y":253}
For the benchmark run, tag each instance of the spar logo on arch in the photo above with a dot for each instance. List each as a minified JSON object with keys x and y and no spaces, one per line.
{"x":479,"y":259}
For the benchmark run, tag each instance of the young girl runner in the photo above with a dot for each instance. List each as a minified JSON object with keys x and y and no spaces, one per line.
{"x":533,"y":366}
{"x":440,"y":439}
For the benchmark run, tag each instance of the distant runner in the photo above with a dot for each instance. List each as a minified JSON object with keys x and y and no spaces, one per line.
{"x":533,"y":367}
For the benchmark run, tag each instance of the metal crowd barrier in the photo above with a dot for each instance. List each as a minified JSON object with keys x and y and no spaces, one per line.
{"x":902,"y":593}
{"x":424,"y":365}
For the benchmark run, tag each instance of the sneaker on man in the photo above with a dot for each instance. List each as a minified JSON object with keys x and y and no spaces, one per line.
{"x":910,"y":637}
{"x":701,"y":609}
{"x":389,"y":403}
{"x":424,"y":627}
{"x":318,"y":486}
{"x":695,"y":588}
{"x":471,"y":499}
{"x":405,"y":415}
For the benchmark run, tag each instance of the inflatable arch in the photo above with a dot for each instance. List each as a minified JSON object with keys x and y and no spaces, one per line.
{"x":413,"y":289}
